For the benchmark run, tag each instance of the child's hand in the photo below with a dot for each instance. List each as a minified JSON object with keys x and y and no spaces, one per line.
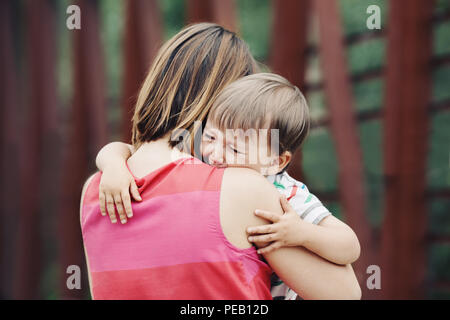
{"x":116,"y":184}
{"x":284,"y":231}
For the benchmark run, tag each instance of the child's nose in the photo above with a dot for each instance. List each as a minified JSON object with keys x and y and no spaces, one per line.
{"x":215,"y":160}
{"x":216,"y":156}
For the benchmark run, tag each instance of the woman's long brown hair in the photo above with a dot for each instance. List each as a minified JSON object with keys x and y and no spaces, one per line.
{"x":186,"y":76}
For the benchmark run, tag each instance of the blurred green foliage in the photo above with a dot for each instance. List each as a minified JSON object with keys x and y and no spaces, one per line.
{"x":366,"y":55}
{"x":439,"y":155}
{"x":173,"y":16}
{"x":319,"y":161}
{"x":371,"y":144}
{"x":439,"y":262}
{"x":368,"y":94}
{"x":440,"y":217}
{"x":255,"y":23}
{"x":441,"y":79}
{"x":353,"y":14}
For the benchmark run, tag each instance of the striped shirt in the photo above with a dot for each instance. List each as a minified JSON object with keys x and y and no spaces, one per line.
{"x":308,"y":207}
{"x":174,"y":246}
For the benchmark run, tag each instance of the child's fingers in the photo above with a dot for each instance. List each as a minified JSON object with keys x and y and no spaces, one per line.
{"x":263,"y":238}
{"x":135,"y":191}
{"x":126,"y":200}
{"x":261,"y":229}
{"x":267,"y":215}
{"x":110,"y":207}
{"x":273,"y":246}
{"x":285,"y":204}
{"x":102,"y":200}
{"x":119,"y":207}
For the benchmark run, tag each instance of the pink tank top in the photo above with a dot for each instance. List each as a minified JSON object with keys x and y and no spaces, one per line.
{"x":173,"y":247}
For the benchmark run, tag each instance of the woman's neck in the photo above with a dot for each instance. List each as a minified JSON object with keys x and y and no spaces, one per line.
{"x":153,"y":155}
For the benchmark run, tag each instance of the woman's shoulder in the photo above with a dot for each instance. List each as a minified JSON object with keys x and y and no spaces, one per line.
{"x":244,"y":191}
{"x":249,"y":189}
{"x":249,"y":181}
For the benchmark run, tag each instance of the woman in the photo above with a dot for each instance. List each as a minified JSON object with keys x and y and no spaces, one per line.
{"x":188,"y":238}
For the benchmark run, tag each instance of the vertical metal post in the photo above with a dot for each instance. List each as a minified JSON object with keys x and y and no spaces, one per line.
{"x":344,"y":130}
{"x":405,"y":148}
{"x":87,"y":134}
{"x":143,"y":37}
{"x":288,"y":51}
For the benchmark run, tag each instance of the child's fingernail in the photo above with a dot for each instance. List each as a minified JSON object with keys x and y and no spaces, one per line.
{"x":250,"y":230}
{"x":114,"y":221}
{"x":250,"y":239}
{"x":257,"y":211}
{"x":123,"y":221}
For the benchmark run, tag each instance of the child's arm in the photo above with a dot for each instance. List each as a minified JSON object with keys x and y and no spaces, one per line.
{"x":113,"y":153}
{"x":331,"y":239}
{"x":116,"y":182}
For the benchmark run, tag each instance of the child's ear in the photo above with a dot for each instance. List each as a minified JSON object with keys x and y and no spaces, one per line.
{"x":284,"y":159}
{"x":279,"y":163}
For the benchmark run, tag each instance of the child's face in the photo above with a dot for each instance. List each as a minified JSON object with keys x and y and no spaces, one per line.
{"x":238,"y":148}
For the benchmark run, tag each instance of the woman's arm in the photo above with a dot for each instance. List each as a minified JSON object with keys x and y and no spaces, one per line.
{"x":117,"y":183}
{"x":309,"y":275}
{"x":312,"y":277}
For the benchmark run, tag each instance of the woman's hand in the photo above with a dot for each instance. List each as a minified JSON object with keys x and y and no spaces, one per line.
{"x":116,"y":184}
{"x":285,"y":230}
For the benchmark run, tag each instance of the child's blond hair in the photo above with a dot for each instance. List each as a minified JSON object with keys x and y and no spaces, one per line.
{"x":264,"y":100}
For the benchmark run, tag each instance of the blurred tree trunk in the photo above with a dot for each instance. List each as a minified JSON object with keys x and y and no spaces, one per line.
{"x":87,"y":134}
{"x":37,"y":161}
{"x":198,"y":11}
{"x":143,"y":37}
{"x":288,"y":52}
{"x":408,"y":88}
{"x":345,"y":132}
{"x":9,"y":150}
{"x":222,"y":12}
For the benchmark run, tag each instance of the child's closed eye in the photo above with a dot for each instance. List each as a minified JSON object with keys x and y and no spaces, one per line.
{"x":235,"y":150}
{"x":208,"y":137}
